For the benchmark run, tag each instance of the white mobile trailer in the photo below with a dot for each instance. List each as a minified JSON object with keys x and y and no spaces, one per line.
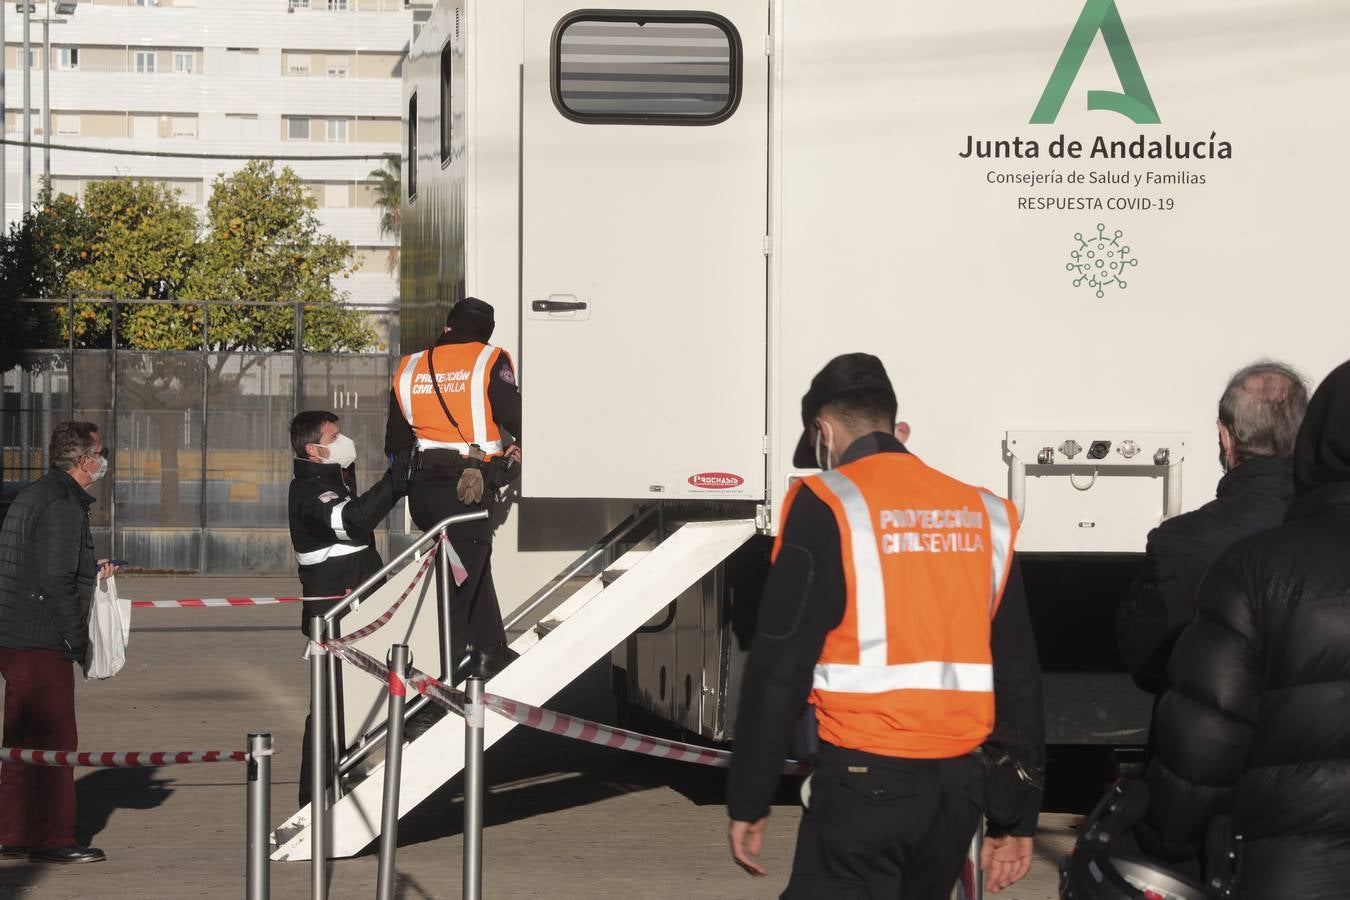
{"x":1062,"y":224}
{"x":670,"y":289}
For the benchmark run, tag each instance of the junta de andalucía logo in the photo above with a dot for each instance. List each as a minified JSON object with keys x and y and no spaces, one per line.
{"x":1133,"y":100}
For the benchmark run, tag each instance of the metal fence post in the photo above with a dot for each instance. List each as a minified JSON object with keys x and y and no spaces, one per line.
{"x":203,"y":505}
{"x":473,"y":781}
{"x":298,"y":337}
{"x":393,"y":770}
{"x":318,"y":761}
{"x":258,"y":812}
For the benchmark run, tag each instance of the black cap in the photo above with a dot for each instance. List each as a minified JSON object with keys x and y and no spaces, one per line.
{"x":842,"y":375}
{"x":471,"y":318}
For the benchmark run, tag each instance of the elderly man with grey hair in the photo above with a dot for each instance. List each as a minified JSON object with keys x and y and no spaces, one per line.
{"x":1259,"y":417}
{"x":47,"y":572}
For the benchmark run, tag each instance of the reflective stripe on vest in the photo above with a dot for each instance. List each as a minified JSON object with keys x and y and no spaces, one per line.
{"x":1000,"y":536}
{"x":490,"y":448}
{"x":314,"y":557}
{"x":478,"y":396}
{"x":870,"y":584}
{"x":921,"y":676}
{"x":404,"y":381}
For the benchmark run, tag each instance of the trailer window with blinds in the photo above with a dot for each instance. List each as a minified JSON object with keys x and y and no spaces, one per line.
{"x":667,"y":68}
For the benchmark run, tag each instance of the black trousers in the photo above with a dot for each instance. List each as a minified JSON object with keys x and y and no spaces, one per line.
{"x":475,"y":614}
{"x":307,"y":744}
{"x":883,"y":827}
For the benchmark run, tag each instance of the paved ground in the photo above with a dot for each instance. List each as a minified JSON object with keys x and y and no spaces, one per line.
{"x":565,"y":820}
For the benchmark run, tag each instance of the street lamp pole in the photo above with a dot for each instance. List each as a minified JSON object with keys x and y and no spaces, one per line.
{"x":47,"y":98}
{"x":4,"y":125}
{"x":27,"y":111}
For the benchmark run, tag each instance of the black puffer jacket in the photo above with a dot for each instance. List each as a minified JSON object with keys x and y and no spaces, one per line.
{"x":1257,"y":721}
{"x":47,"y":568}
{"x":1253,"y":497}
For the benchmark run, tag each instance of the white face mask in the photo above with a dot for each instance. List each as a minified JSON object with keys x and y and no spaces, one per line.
{"x":100,"y":471}
{"x":824,"y":461}
{"x":342,"y":451}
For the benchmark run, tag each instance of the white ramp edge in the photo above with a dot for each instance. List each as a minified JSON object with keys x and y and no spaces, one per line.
{"x":592,"y":622}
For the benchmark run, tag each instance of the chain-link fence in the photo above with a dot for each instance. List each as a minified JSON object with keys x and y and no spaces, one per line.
{"x":200,"y":449}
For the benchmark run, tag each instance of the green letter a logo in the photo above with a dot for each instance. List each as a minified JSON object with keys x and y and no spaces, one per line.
{"x":1135,"y":103}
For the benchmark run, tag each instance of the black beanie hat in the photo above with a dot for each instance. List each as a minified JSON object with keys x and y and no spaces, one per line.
{"x":471,"y":318}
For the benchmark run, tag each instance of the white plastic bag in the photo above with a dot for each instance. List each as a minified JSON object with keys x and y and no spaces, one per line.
{"x":109,"y":630}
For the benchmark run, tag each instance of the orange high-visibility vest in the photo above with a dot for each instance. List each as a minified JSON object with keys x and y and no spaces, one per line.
{"x":462,"y":373}
{"x":908,"y":672}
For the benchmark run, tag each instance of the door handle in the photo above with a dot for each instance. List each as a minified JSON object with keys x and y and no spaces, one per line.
{"x":558,"y":305}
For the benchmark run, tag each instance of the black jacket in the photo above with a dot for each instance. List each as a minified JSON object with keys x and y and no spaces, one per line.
{"x":1251,"y":498}
{"x":333,"y":529}
{"x":804,"y":600}
{"x":1257,"y":719}
{"x":47,"y":568}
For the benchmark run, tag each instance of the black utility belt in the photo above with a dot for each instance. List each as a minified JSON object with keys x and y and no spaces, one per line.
{"x":441,"y":459}
{"x":438,"y":463}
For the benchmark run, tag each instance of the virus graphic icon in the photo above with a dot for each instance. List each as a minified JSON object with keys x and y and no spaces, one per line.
{"x":1100,"y":260}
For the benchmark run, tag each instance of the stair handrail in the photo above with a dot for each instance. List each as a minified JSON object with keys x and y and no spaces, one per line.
{"x":397,"y":562}
{"x":346,"y":758}
{"x":349,"y":758}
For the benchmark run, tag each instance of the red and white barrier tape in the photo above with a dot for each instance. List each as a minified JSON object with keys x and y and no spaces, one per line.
{"x":119,"y":760}
{"x":456,"y":569}
{"x":388,"y":614}
{"x":198,"y":602}
{"x":547,"y":720}
{"x":617,"y":738}
{"x":420,"y":682}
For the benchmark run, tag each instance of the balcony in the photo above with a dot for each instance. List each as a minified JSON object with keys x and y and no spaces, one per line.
{"x":110,"y":91}
{"x":219,"y":24}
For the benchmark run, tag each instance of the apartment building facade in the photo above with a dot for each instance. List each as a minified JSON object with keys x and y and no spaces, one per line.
{"x":268,"y":78}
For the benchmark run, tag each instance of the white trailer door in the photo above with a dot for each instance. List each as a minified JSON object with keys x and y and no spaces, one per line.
{"x":645,"y":147}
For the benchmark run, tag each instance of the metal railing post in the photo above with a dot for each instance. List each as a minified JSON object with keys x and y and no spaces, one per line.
{"x":318,"y":760}
{"x":393,"y":770}
{"x":974,"y":889}
{"x":473,"y":782}
{"x":335,"y":726}
{"x":443,"y":598}
{"x":258,"y":807}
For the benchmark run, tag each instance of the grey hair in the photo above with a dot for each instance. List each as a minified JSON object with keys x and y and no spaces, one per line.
{"x":1263,"y":407}
{"x":71,"y":442}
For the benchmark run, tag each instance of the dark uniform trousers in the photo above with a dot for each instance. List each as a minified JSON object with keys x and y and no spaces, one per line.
{"x":475,"y":614}
{"x":885,"y":827}
{"x":307,"y":738}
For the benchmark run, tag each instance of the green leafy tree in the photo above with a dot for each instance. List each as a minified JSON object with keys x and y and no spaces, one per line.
{"x":262,"y":246}
{"x":145,"y":240}
{"x":37,"y":258}
{"x":389,"y":200}
{"x":265,"y":246}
